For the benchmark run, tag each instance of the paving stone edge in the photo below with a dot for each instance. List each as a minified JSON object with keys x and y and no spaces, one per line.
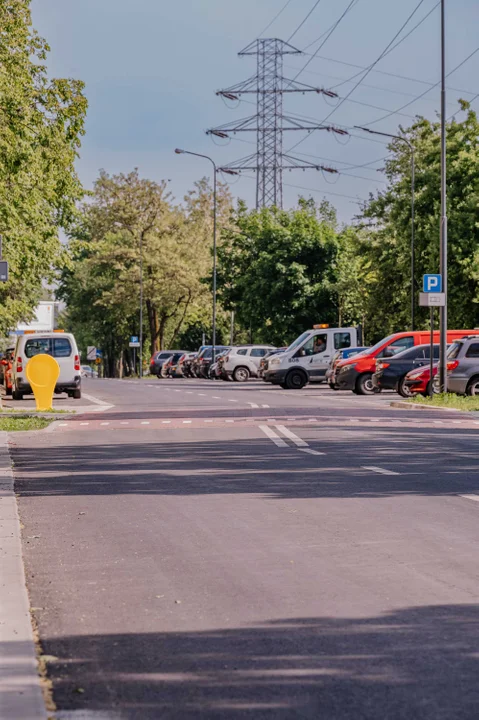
{"x":20,"y":691}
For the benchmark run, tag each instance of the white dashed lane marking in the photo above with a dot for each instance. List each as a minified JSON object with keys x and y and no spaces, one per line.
{"x":310,"y":451}
{"x":381,"y":471}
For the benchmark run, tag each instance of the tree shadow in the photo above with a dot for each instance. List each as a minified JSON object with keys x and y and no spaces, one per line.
{"x":425,"y":460}
{"x":415,"y":663}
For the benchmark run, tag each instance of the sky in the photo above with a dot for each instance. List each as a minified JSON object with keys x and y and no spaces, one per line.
{"x":152,"y":68}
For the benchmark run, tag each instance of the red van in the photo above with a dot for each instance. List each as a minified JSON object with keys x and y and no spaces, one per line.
{"x":356,"y":372}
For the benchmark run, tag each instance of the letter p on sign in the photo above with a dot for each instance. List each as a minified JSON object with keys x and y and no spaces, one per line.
{"x":432,"y":283}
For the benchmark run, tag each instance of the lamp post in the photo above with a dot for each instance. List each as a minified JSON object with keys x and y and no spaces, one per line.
{"x":178,"y":151}
{"x":413,"y":180}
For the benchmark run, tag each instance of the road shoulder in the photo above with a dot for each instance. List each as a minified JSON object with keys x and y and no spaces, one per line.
{"x":20,"y":691}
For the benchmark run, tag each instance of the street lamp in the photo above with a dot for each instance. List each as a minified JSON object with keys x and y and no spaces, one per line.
{"x":413,"y":172}
{"x":178,"y":151}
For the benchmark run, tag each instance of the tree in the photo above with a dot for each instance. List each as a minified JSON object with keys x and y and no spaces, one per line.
{"x":41,"y":123}
{"x":384,"y":241}
{"x":276,"y":269}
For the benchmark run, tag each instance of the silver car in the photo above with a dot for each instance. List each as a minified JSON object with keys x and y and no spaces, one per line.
{"x":242,"y":362}
{"x":463,"y":366}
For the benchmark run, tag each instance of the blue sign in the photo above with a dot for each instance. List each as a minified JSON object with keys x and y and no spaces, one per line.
{"x":99,"y":353}
{"x":134,"y":339}
{"x":432,"y":283}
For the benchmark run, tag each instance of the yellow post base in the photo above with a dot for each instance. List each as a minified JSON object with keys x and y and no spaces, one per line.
{"x":43,"y":372}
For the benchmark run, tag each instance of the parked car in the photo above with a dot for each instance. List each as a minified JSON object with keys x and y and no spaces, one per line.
{"x":418,"y":381}
{"x":171,"y":367}
{"x":88,"y":372}
{"x":463,"y":366}
{"x":391,"y":372}
{"x":7,"y":364}
{"x":337,"y":357}
{"x":307,"y":358}
{"x":157,"y":361}
{"x":61,"y":346}
{"x":205,"y":358}
{"x":356,"y":373}
{"x":214,"y":369}
{"x":264,"y":362}
{"x":186,"y":362}
{"x":242,"y":362}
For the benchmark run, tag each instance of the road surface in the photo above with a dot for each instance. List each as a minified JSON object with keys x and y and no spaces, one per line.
{"x":220,"y":551}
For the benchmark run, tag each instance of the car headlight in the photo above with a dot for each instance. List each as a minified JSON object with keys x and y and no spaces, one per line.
{"x":345,"y":368}
{"x":274,"y":361}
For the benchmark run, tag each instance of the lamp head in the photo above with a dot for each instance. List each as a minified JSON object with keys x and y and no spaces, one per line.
{"x":178,"y":151}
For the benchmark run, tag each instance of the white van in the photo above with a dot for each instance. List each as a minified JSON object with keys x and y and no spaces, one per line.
{"x":62,"y":347}
{"x":307,"y":358}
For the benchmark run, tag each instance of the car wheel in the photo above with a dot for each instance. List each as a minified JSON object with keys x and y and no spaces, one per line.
{"x":473,"y":386}
{"x":364,"y":385}
{"x":296,"y":380}
{"x":76,"y":394}
{"x":435,"y":388}
{"x":404,"y":390}
{"x":333,"y":386}
{"x":241,"y":374}
{"x":17,"y":395}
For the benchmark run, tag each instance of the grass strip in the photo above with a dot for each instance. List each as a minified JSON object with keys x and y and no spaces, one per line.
{"x":449,"y":400}
{"x":12,"y":424}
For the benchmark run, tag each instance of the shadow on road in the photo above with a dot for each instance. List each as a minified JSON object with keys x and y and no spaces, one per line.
{"x":413,"y":664}
{"x":423,"y":457}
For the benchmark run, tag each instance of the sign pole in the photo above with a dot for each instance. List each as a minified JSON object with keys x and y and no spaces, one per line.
{"x":134,"y":361}
{"x":443,"y":238}
{"x":431,"y":353}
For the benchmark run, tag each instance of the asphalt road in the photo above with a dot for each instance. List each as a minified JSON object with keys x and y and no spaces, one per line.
{"x":190,"y":555}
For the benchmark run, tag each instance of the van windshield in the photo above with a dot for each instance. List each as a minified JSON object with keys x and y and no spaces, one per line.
{"x":298,"y":341}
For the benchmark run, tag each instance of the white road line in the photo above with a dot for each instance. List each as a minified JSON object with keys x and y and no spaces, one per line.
{"x":145,"y":422}
{"x":381,"y":471}
{"x":104,"y":423}
{"x":232,"y":400}
{"x":95,"y":400}
{"x":437,"y":422}
{"x":187,"y":422}
{"x":189,"y":392}
{"x":202,"y":394}
{"x":124,"y":422}
{"x":287,"y":433}
{"x":207,"y":420}
{"x":230,"y":421}
{"x":310,"y":451}
{"x":62,"y":424}
{"x":470,"y":497}
{"x":353,"y":420}
{"x":84,"y":423}
{"x":265,"y":406}
{"x":273,"y":436}
{"x":215,"y":397}
{"x":166,"y":422}
{"x":457,"y":422}
{"x":253,"y":405}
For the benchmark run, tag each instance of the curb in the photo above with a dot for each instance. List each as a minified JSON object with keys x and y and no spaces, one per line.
{"x":419,"y":406}
{"x":20,"y":691}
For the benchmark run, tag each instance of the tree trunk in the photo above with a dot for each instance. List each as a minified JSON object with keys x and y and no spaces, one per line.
{"x":153,"y":325}
{"x":162,"y":330}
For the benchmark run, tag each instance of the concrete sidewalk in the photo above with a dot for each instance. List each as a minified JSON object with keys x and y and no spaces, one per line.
{"x":20,"y":693}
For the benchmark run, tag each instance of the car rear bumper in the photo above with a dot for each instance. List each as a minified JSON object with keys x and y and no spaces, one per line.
{"x":75,"y":384}
{"x":346,"y":378}
{"x":381,"y":381}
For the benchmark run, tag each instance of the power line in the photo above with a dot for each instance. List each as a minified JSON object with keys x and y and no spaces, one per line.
{"x":333,"y":28}
{"x":315,"y":190}
{"x":305,"y":19}
{"x":390,"y":74}
{"x":375,"y":62}
{"x":275,"y":18}
{"x":399,"y":42}
{"x":393,"y":112}
{"x":306,"y":47}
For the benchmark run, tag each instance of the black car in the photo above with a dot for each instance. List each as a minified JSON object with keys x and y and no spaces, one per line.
{"x":391,"y":371}
{"x":157,"y":360}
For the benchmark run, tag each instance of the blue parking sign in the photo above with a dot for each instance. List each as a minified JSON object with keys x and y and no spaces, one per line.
{"x":432,"y":283}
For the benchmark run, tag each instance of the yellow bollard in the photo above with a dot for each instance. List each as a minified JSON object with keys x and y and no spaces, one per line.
{"x":43,"y":372}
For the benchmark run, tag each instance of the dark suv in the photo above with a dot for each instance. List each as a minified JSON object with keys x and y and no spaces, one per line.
{"x":391,"y":371}
{"x":157,"y":360}
{"x":463,"y":366}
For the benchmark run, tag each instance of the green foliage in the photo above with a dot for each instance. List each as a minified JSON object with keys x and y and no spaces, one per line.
{"x":276,"y":269}
{"x":128,"y":221}
{"x":41,"y":122}
{"x":374,"y":272}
